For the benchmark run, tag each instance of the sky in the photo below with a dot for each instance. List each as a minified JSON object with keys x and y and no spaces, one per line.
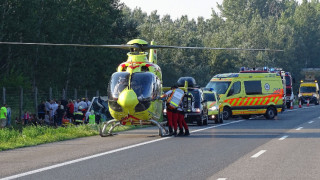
{"x":177,"y":8}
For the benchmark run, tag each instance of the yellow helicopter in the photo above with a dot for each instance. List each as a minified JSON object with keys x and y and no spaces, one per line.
{"x":134,"y":90}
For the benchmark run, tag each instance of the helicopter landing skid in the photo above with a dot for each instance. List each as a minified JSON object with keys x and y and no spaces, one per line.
{"x":163,"y":132}
{"x":114,"y":123}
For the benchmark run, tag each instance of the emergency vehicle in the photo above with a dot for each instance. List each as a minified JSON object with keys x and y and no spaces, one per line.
{"x":248,"y":93}
{"x":212,"y":102}
{"x":309,"y":91}
{"x":289,"y":90}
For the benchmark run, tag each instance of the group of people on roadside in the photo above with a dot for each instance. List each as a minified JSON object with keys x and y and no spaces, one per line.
{"x":58,"y":113}
{"x":175,"y":115}
{"x":52,"y":113}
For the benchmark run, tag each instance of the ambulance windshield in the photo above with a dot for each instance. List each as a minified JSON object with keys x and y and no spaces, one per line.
{"x":288,"y":81}
{"x":307,"y":89}
{"x":219,"y":86}
{"x":209,"y":97}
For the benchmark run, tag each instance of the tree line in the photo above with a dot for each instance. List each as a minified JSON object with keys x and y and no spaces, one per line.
{"x":273,"y":24}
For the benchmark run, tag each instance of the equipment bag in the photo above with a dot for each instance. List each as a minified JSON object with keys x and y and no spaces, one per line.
{"x":187,"y":102}
{"x":175,"y":98}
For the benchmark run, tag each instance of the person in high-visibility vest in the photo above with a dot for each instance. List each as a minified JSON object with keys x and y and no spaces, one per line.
{"x":170,"y":112}
{"x":3,"y":116}
{"x":173,"y":102}
{"x":78,"y":116}
{"x":92,"y":117}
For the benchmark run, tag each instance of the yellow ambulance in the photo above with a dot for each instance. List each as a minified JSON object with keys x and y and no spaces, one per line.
{"x":309,"y":91}
{"x":250,"y":93}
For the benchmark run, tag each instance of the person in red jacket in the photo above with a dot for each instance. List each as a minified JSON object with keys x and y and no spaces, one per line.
{"x":70,"y":111}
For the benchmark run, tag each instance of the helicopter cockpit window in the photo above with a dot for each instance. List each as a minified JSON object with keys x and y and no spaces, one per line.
{"x":142,"y":85}
{"x":119,"y":81}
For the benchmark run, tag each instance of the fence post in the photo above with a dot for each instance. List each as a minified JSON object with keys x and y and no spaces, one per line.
{"x":4,"y":95}
{"x":97,"y":94}
{"x":50,"y":93}
{"x":63,"y":94}
{"x":75,"y":94}
{"x":36,"y":100}
{"x":20,"y":110}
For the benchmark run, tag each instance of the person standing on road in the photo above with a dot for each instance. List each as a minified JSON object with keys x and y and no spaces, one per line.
{"x":182,"y":123}
{"x":3,"y":116}
{"x":171,"y":116}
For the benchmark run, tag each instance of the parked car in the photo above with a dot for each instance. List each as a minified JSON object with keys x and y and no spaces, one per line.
{"x":194,"y":104}
{"x":100,"y":106}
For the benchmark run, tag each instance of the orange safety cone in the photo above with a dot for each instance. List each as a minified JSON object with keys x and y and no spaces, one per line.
{"x":307,"y":102}
{"x":291,"y":104}
{"x":299,"y":103}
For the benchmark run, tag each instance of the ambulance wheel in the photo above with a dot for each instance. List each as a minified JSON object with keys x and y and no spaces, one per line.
{"x":226,"y":113}
{"x":270,"y":113}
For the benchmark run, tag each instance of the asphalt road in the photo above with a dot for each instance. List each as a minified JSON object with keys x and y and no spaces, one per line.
{"x":286,"y":148}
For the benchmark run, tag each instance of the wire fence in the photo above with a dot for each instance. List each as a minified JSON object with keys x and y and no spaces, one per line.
{"x":21,"y":100}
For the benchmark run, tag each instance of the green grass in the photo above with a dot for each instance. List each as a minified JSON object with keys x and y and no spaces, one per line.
{"x":32,"y":135}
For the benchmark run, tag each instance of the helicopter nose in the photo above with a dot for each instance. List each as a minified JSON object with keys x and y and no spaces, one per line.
{"x":128,"y":99}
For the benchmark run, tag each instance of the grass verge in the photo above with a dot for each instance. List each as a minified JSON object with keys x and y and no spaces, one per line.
{"x":35,"y":135}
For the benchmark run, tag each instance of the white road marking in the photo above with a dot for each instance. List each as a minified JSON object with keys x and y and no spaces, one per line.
{"x":283,"y":137}
{"x":258,"y":154}
{"x":103,"y":154}
{"x":299,"y":128}
{"x":221,"y":178}
{"x":310,"y":122}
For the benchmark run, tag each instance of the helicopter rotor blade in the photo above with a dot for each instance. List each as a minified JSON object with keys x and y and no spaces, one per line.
{"x":208,"y":48}
{"x":123,"y":46}
{"x":137,"y":46}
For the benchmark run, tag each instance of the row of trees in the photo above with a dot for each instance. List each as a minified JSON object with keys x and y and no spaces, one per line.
{"x":272,"y":24}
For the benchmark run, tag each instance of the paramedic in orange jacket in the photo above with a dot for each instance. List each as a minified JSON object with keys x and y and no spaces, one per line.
{"x":171,"y":114}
